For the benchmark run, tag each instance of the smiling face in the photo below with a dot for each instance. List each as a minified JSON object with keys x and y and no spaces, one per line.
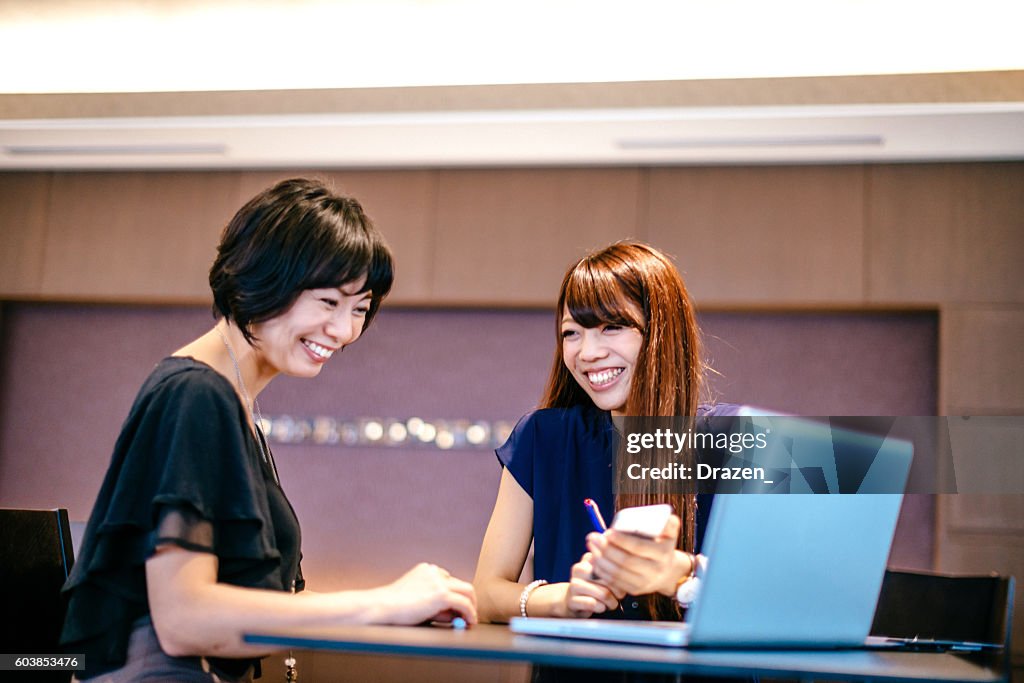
{"x":319,"y":324}
{"x":602,"y":360}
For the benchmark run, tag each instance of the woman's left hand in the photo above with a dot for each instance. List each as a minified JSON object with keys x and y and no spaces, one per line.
{"x":632,"y":564}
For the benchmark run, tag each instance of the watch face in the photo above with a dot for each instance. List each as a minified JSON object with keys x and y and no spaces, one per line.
{"x":688,"y":591}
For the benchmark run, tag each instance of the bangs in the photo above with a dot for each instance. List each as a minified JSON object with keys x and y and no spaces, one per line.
{"x":595,"y":294}
{"x":348,"y":259}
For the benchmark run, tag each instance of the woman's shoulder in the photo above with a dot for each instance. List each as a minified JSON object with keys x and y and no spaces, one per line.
{"x":182,"y":373}
{"x":572,"y":418}
{"x":183,"y":380}
{"x":592,"y":419}
{"x":545,"y":437}
{"x":563,"y":428}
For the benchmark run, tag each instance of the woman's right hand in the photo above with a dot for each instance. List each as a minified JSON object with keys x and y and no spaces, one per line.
{"x":427,"y":592}
{"x":584,"y":597}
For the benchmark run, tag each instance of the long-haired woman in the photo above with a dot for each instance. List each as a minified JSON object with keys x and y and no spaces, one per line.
{"x":628,"y":344}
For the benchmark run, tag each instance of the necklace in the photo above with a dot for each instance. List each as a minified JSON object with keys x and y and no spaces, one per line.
{"x":291,"y":674}
{"x":254,"y":410}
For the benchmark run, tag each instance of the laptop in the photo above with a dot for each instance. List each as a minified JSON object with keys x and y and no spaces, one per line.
{"x":784,"y":570}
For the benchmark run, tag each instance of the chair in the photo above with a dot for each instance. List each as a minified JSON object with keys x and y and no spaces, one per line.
{"x":36,"y":555}
{"x":945,"y":607}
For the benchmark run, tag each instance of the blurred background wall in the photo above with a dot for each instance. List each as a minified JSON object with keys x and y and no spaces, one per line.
{"x":890,"y":289}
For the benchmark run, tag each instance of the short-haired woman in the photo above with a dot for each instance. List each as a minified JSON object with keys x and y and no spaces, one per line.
{"x":192,"y":541}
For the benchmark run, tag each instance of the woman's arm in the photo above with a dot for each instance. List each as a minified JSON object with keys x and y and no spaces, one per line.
{"x":503,"y":554}
{"x":194,"y":615}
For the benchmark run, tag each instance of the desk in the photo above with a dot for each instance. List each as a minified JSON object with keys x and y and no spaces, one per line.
{"x":497,"y":643}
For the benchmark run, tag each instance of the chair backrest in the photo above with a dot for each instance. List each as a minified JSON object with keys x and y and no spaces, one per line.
{"x":36,"y":555}
{"x":945,"y":607}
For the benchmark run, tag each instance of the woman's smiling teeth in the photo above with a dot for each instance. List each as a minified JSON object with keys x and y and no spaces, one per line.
{"x":603,"y":377}
{"x":320,"y":351}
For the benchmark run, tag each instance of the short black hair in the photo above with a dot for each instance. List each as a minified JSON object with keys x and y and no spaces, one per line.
{"x":294,"y":236}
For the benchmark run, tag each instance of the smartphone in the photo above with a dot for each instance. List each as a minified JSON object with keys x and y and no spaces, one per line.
{"x":647,"y":520}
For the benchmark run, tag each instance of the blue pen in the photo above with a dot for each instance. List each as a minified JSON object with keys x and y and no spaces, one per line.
{"x":599,"y":526}
{"x":595,"y":515}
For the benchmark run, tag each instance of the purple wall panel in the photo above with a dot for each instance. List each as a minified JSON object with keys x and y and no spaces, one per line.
{"x":826,"y":364}
{"x":68,"y":375}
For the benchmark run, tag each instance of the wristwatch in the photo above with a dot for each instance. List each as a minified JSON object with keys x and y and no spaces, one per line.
{"x":689,"y":586}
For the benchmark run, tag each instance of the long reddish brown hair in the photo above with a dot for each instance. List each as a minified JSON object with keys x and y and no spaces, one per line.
{"x":635,"y":285}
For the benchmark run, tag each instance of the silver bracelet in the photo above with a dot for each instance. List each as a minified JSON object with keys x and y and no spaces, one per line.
{"x":525,"y":595}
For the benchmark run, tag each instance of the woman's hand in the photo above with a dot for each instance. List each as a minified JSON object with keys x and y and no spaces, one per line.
{"x":580,"y":597}
{"x":627,"y":563}
{"x":427,"y":592}
{"x":584,"y":597}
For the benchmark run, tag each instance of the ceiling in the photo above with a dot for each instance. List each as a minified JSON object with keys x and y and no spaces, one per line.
{"x":976,"y":116}
{"x":644,"y":136}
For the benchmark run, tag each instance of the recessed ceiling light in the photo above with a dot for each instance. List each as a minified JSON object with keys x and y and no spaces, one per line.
{"x":114,"y":150}
{"x":754,"y":141}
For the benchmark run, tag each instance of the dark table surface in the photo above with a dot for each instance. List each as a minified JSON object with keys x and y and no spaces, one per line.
{"x":497,"y":643}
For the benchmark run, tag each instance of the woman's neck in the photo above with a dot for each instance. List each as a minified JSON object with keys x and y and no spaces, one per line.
{"x":226,"y":350}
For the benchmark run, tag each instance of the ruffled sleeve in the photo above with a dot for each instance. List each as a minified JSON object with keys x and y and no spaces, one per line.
{"x":189,"y":452}
{"x":184,"y":472}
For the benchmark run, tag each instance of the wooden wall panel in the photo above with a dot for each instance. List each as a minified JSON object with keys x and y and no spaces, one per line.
{"x":979,"y":513}
{"x":982,"y":373}
{"x":23,"y":209}
{"x":402,"y":204}
{"x":982,"y":360}
{"x":762,"y":235}
{"x":507,"y":236}
{"x":942,"y":233}
{"x":131,"y":236}
{"x":946,"y":233}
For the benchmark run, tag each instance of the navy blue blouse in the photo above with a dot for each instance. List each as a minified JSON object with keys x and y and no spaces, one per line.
{"x":561,"y":456}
